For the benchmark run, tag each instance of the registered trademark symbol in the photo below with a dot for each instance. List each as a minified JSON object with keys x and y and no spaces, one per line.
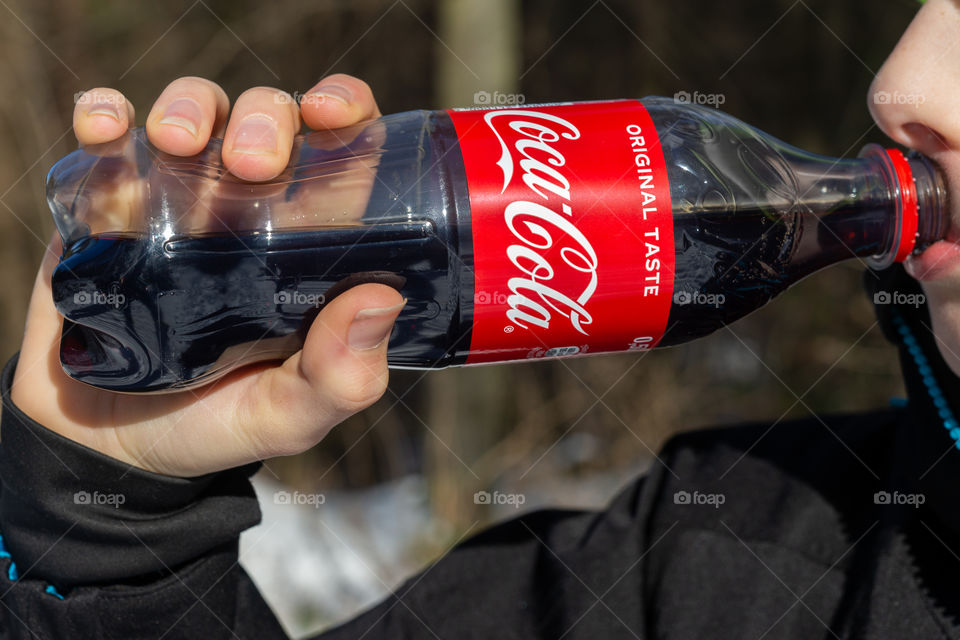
{"x":508,"y":328}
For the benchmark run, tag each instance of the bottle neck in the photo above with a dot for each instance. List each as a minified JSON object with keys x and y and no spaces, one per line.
{"x":880,"y":207}
{"x":932,"y":201}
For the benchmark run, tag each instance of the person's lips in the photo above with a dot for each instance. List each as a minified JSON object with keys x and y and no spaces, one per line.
{"x":938,"y":261}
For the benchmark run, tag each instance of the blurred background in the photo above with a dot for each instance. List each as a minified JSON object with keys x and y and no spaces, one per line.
{"x":394,"y":487}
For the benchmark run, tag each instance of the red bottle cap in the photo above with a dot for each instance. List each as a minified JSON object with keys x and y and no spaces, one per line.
{"x":909,"y":213}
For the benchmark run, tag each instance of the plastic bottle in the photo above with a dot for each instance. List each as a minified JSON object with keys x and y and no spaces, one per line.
{"x":529,"y":232}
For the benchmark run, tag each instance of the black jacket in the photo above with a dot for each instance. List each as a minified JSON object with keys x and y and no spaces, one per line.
{"x":844,"y":527}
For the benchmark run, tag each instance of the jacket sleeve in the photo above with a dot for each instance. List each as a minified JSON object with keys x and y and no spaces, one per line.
{"x":94,"y":548}
{"x":91,"y":547}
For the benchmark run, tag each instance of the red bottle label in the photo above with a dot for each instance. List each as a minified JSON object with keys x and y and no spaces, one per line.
{"x":572,"y":229}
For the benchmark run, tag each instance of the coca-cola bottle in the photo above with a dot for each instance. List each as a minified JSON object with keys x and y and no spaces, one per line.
{"x":517,"y":233}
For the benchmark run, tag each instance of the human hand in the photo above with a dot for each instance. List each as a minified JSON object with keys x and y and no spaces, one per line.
{"x":259,"y":411}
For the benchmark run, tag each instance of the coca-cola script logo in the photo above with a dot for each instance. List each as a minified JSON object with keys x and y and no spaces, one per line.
{"x":544,"y":223}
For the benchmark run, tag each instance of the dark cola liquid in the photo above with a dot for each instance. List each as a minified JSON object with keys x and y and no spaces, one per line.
{"x":251,"y":298}
{"x":728,"y":265}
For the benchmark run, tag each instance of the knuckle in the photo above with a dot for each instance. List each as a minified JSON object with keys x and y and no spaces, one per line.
{"x":183,"y":80}
{"x":360,"y":87}
{"x":281,"y":447}
{"x":196,"y":79}
{"x":192,"y":82}
{"x":357,"y":392}
{"x":202,"y":90}
{"x":280,"y":437}
{"x":345,"y":78}
{"x":289,"y":435}
{"x":272,"y":100}
{"x":272,"y":420}
{"x":261,"y":92}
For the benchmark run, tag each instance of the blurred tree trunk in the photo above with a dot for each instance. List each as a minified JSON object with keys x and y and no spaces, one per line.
{"x":35,"y":78}
{"x":478,"y":49}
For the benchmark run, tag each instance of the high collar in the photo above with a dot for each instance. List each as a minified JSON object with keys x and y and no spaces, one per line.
{"x":927,"y":446}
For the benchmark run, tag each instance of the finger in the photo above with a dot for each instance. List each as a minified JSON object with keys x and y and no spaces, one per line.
{"x":186,"y":114}
{"x":338,"y":101}
{"x":41,"y":336}
{"x":42,"y":315}
{"x":101,"y":115}
{"x":260,"y":133}
{"x":341,"y":369}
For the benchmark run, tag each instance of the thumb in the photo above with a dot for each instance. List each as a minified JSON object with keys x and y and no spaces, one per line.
{"x":341,"y":370}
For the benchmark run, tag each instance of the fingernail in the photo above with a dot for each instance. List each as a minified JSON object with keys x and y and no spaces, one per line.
{"x":371,"y":327}
{"x":184,"y":113}
{"x":104,"y":109}
{"x":332,"y":92}
{"x":257,"y":135}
